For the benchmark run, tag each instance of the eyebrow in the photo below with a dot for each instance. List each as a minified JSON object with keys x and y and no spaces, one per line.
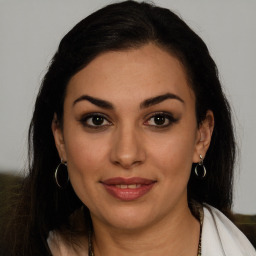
{"x":98,"y":102}
{"x":145,"y":104}
{"x":158,"y":99}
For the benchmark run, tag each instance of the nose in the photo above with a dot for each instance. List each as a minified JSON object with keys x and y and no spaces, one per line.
{"x":127,"y":149}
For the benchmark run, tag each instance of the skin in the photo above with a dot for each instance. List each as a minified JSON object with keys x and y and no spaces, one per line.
{"x":129,"y":143}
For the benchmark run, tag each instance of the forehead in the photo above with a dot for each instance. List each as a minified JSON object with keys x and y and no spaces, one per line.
{"x":119,"y":76}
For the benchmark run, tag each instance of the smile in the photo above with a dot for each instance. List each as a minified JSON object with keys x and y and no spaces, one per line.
{"x":128,"y":189}
{"x":132,"y":186}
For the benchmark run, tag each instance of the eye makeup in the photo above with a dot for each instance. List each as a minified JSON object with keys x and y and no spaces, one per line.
{"x":95,"y":121}
{"x":161,"y":120}
{"x":100,"y":121}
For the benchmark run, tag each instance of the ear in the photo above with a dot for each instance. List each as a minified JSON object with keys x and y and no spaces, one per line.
{"x":204,"y":135}
{"x":58,"y":137}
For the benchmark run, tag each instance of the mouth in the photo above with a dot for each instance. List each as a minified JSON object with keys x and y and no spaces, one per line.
{"x":131,"y":186}
{"x":128,"y":189}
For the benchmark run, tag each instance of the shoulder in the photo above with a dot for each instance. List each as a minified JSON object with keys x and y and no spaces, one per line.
{"x":221,"y":234}
{"x":60,"y":247}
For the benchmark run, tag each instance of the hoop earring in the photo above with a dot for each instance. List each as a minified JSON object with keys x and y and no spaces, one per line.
{"x":200,"y":164}
{"x":62,"y":178}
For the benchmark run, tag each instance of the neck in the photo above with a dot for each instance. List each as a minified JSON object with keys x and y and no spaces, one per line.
{"x":165,"y":237}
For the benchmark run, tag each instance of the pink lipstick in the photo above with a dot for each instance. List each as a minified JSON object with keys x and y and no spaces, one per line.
{"x":128,"y":189}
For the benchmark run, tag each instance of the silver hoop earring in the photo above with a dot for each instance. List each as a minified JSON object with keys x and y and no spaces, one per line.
{"x":61,"y":175}
{"x":202,"y":173}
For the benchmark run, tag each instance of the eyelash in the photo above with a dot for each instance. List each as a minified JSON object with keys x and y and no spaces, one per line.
{"x":84,"y":120}
{"x":166,"y":117}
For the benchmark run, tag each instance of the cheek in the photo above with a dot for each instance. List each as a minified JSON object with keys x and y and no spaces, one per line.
{"x":84,"y":150}
{"x":173,"y":162}
{"x":84,"y":164}
{"x":173,"y":154}
{"x":86,"y":157}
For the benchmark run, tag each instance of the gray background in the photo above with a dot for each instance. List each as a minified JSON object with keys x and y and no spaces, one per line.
{"x":30,"y":31}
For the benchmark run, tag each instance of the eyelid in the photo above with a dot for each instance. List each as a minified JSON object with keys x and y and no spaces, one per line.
{"x":85,"y":117}
{"x":156,"y":113}
{"x":167,"y":115}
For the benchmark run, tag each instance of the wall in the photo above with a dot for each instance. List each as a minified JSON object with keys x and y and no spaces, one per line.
{"x":31,"y":30}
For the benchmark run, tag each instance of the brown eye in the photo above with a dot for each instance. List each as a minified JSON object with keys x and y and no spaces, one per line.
{"x":95,"y":121}
{"x":161,"y":120}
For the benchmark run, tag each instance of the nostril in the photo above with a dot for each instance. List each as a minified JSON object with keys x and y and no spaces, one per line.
{"x":127,"y":164}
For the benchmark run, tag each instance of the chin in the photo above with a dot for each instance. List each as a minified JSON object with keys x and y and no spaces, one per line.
{"x":129,"y":218}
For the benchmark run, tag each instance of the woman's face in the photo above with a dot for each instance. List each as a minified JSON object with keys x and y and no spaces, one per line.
{"x":130,"y":136}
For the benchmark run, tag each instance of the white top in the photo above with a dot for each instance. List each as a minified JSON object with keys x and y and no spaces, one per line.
{"x":220,"y":237}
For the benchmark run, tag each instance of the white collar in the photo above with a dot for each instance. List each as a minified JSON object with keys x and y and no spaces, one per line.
{"x":220,"y":237}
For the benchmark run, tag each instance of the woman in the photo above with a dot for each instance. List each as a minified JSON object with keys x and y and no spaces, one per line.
{"x":132,"y":145}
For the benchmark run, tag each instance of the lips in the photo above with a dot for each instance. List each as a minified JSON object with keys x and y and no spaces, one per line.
{"x":128,"y":189}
